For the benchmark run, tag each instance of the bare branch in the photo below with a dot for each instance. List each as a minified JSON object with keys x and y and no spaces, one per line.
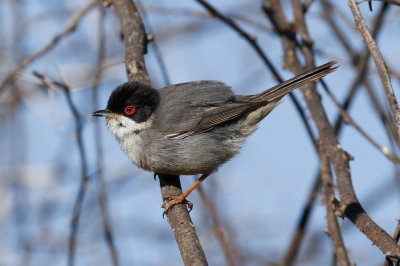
{"x":350,"y":121}
{"x":361,"y":63}
{"x":163,"y":10}
{"x":70,"y":26}
{"x":292,"y":251}
{"x":178,"y":217}
{"x":157,"y":51}
{"x":340,"y":159}
{"x":342,"y":257}
{"x":135,"y":40}
{"x":102,"y":193}
{"x":306,"y":5}
{"x":250,"y":38}
{"x":298,"y":235}
{"x":379,"y":62}
{"x":227,"y":246}
{"x":393,"y":2}
{"x":82,"y":153}
{"x":396,"y":237}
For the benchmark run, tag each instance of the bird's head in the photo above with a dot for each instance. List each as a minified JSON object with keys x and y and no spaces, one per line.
{"x":130,"y":108}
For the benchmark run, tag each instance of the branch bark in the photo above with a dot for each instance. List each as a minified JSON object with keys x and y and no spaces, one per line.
{"x":396,"y":237}
{"x":135,"y":41}
{"x":182,"y":226}
{"x":393,"y":2}
{"x":351,"y":207}
{"x":334,"y":232}
{"x":379,"y":62}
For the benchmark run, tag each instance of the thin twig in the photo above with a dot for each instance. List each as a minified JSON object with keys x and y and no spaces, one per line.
{"x":326,"y":175}
{"x":298,"y":234}
{"x":350,"y":121}
{"x":334,"y":232}
{"x":362,"y":67}
{"x":359,"y":61}
{"x":102,"y":193}
{"x":250,"y":38}
{"x":173,"y":11}
{"x":379,"y":62}
{"x":393,"y":2}
{"x":383,"y":115}
{"x":306,"y":5}
{"x":160,"y":61}
{"x":218,"y":229}
{"x":327,"y":9}
{"x":69,"y":27}
{"x":82,"y":154}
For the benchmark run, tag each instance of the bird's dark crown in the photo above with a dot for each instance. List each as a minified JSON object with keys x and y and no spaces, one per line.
{"x":144,"y":99}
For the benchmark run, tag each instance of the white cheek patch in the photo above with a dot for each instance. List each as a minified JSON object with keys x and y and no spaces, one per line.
{"x":122,"y":126}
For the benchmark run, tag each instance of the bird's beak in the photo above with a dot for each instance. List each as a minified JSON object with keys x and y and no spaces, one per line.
{"x":105,"y":113}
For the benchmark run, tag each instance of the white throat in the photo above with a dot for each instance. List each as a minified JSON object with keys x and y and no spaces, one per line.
{"x":128,"y":134}
{"x":121,"y":126}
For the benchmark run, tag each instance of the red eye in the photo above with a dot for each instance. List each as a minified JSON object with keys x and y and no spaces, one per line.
{"x":130,"y":110}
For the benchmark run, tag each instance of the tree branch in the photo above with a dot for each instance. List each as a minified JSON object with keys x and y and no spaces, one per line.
{"x":352,"y":209}
{"x":298,"y":234}
{"x":346,"y":117}
{"x":101,"y":187}
{"x":70,"y":26}
{"x":76,"y":213}
{"x":342,"y":257}
{"x":396,"y":237}
{"x":393,"y":2}
{"x":379,"y":62}
{"x":182,"y":226}
{"x":218,"y":229}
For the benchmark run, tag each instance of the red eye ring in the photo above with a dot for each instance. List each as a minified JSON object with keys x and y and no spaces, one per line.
{"x":130,"y":110}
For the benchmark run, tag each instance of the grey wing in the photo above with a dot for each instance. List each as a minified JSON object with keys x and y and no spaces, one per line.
{"x":183,"y":106}
{"x":195,"y":107}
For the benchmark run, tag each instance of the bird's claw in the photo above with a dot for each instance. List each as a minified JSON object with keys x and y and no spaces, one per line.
{"x":171,"y":201}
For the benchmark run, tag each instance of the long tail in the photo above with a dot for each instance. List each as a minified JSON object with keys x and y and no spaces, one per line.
{"x":280,"y":90}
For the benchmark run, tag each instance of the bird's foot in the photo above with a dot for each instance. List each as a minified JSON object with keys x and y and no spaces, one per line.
{"x":175,"y":200}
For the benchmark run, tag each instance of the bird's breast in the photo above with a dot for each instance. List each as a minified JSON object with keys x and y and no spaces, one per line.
{"x":133,"y":146}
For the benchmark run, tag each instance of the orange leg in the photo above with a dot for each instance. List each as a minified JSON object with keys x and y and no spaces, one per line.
{"x":181,"y":199}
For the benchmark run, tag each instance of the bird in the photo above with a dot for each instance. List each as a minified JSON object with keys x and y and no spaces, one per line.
{"x":190,"y":128}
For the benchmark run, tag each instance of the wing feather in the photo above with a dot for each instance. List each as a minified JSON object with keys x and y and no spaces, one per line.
{"x":208,"y":116}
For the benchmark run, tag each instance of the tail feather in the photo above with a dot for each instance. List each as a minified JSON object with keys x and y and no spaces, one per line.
{"x":280,"y":90}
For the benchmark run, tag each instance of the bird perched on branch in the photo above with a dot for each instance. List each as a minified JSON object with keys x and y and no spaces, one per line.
{"x":190,"y":128}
